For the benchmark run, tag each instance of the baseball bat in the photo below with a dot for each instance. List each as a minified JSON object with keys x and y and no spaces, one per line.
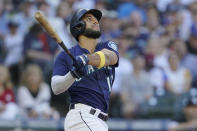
{"x":45,"y":24}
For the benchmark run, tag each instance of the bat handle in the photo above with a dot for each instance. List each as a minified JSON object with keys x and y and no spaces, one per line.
{"x":67,"y":51}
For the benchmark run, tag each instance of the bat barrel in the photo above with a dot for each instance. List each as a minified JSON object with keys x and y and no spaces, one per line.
{"x":45,"y":24}
{"x":37,"y":15}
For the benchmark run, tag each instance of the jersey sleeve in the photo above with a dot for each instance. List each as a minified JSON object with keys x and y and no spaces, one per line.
{"x":113,"y":47}
{"x":60,"y":65}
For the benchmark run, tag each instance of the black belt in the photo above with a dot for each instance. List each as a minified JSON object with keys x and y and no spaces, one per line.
{"x":92,"y":111}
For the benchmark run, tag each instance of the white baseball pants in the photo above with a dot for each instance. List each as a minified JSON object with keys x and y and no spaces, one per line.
{"x":79,"y":119}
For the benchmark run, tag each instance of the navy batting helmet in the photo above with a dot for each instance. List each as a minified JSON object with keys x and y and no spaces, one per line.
{"x":77,"y":26}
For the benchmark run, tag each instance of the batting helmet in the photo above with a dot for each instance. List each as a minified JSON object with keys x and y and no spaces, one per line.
{"x":77,"y":26}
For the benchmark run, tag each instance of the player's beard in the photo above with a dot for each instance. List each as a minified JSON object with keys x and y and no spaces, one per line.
{"x":92,"y":33}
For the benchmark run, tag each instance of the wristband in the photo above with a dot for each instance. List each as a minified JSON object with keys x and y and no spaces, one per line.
{"x":102,"y":59}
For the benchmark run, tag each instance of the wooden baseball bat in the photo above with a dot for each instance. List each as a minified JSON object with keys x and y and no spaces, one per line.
{"x":45,"y":24}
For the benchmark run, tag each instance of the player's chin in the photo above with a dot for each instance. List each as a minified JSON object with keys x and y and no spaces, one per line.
{"x":97,"y":29}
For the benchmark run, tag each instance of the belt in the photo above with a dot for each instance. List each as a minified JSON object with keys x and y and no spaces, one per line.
{"x":92,"y":111}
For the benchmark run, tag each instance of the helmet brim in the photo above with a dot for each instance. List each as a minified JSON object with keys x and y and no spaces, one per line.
{"x":95,"y":12}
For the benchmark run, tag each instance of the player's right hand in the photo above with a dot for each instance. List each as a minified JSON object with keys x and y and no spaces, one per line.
{"x":80,"y":66}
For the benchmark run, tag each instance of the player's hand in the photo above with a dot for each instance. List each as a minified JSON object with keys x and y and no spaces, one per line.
{"x":80,"y":66}
{"x":81,"y":60}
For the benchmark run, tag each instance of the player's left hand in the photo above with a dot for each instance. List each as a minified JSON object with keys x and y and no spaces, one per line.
{"x":80,"y":66}
{"x":81,"y":60}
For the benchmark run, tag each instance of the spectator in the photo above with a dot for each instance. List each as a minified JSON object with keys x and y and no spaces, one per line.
{"x":179,"y":20}
{"x":192,"y":42}
{"x":64,"y":11}
{"x":157,"y":48}
{"x":34,"y":94}
{"x":138,"y":34}
{"x":14,"y":47}
{"x":53,"y":4}
{"x":60,"y":22}
{"x":178,"y":78}
{"x":178,"y":85}
{"x":190,"y":113}
{"x":125,"y":68}
{"x":8,"y":107}
{"x":24,"y":16}
{"x":152,"y":24}
{"x":3,"y":20}
{"x":142,"y":33}
{"x":136,"y":89}
{"x":2,"y":31}
{"x":158,"y":80}
{"x":40,"y":48}
{"x":186,"y":59}
{"x":44,"y":7}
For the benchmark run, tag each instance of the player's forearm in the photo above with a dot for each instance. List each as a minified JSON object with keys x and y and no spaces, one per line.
{"x":60,"y":84}
{"x":110,"y":58}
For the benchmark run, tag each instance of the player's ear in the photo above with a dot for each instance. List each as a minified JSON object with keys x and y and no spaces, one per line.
{"x":80,"y":26}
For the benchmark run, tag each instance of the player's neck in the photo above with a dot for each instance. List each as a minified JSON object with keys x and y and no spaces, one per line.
{"x":88,"y":43}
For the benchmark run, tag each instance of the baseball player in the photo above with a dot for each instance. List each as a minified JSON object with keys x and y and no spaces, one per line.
{"x":89,"y":79}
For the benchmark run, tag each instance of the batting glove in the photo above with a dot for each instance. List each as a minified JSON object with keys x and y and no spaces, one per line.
{"x":80,"y":66}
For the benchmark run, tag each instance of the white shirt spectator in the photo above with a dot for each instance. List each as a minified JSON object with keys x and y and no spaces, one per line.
{"x":11,"y":111}
{"x":177,"y":79}
{"x":40,"y":103}
{"x":125,"y":68}
{"x":14,"y":46}
{"x":162,"y":60}
{"x":158,"y":79}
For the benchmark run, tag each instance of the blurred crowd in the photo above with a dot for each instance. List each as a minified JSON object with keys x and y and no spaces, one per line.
{"x":157,"y":40}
